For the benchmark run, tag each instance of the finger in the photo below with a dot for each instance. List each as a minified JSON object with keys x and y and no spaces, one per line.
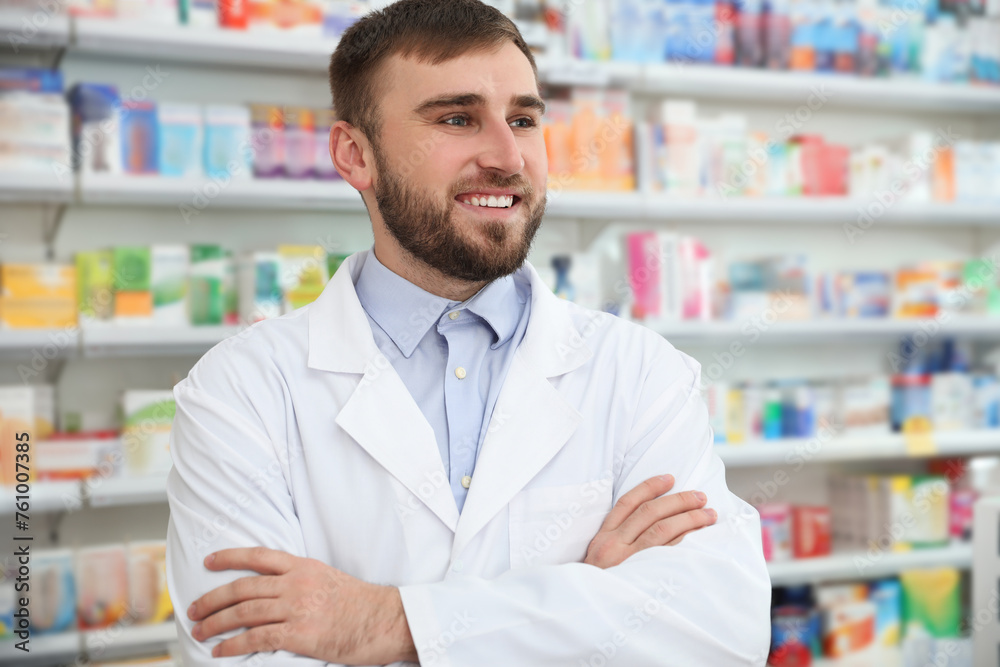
{"x":259,"y":559}
{"x":262,"y":638}
{"x":651,"y":488}
{"x":664,"y":532}
{"x":658,"y":509}
{"x":245,"y":588}
{"x":247,"y":614}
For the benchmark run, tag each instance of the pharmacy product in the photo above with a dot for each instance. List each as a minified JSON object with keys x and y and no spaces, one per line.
{"x":148,"y":596}
{"x":180,"y":140}
{"x":169,"y":276}
{"x":229,"y":151}
{"x":53,"y":592}
{"x":97,"y":147}
{"x":932,"y":604}
{"x":207,"y":303}
{"x":146,"y":419}
{"x":95,"y":286}
{"x":131,"y":279}
{"x":102,"y":586}
{"x":302,"y":275}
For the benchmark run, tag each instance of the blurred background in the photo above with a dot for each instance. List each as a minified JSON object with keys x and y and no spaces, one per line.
{"x":802,"y":194}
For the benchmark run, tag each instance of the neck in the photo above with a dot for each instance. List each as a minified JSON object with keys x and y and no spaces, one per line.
{"x":426,"y":277}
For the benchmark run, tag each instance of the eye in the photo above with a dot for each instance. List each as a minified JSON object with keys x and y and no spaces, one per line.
{"x":447,"y":121}
{"x":530,"y":121}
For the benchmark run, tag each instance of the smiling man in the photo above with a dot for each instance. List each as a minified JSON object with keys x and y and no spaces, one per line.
{"x":438,"y":461}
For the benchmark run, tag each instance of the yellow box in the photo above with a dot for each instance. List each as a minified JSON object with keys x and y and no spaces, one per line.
{"x":29,"y":281}
{"x":37,"y":313}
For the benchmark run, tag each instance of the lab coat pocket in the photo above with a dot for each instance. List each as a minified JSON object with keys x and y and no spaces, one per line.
{"x":555,"y":524}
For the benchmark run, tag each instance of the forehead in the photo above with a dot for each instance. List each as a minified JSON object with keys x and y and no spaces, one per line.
{"x":496,"y":76}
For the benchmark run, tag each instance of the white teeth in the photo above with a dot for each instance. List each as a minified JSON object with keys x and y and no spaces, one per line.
{"x":492,"y":201}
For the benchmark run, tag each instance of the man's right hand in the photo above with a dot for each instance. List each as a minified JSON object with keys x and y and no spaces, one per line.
{"x":645,"y":517}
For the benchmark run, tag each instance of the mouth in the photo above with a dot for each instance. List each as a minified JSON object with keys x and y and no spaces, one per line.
{"x":490,"y":211}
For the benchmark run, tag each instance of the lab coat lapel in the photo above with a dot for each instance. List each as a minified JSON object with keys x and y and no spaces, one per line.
{"x":531,"y":421}
{"x":381,"y":415}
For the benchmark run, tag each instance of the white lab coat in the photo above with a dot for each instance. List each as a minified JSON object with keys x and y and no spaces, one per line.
{"x":298,"y":435}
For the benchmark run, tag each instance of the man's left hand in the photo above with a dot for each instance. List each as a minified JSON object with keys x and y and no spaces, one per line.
{"x":303,"y":606}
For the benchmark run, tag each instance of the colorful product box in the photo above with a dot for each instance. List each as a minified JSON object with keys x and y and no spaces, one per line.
{"x":169,"y":277}
{"x":300,"y":137}
{"x":53,"y":599}
{"x":146,"y":419}
{"x":37,"y":296}
{"x":302,"y":274}
{"x":148,"y":595}
{"x":776,"y":526}
{"x":180,"y":140}
{"x":131,"y":280}
{"x":268,"y":127}
{"x":17,"y":418}
{"x":102,"y":586}
{"x":95,"y":286}
{"x":229,"y":151}
{"x":260,"y":291}
{"x":207,"y":300}
{"x":140,"y":135}
{"x":811,"y":531}
{"x":97,"y":146}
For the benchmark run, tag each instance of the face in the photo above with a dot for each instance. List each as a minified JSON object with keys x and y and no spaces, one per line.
{"x":452,"y":134}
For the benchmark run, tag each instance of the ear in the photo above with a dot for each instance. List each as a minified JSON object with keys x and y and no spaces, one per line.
{"x":348,"y":150}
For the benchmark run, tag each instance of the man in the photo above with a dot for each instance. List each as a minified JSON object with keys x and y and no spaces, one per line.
{"x":438,"y":460}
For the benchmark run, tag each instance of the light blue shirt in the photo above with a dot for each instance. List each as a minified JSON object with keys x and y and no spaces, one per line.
{"x":452,"y":356}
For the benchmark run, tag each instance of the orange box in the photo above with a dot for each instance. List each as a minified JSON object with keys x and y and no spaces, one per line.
{"x":134,"y":304}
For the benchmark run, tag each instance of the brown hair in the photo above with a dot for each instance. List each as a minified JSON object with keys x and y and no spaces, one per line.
{"x":432,"y":31}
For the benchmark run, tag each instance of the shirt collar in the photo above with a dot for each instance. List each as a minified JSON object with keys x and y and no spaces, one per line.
{"x":406,"y":312}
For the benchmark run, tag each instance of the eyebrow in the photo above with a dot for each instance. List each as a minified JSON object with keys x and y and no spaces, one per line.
{"x":526,"y":101}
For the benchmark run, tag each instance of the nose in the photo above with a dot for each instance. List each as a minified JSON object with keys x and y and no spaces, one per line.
{"x":500,"y":150}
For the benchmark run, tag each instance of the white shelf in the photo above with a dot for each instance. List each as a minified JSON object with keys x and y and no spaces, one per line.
{"x":823,"y":330}
{"x":199,"y":195}
{"x":862,"y":565}
{"x":53,"y":647}
{"x":152,"y":340}
{"x":877,"y":657}
{"x":159,"y":42}
{"x":154,"y":42}
{"x":127,"y":491}
{"x":203,"y":194}
{"x":42,"y":31}
{"x":33,"y":188}
{"x":45,"y":497}
{"x":49,"y":343}
{"x":129,"y":639}
{"x":855,"y":448}
{"x":798,"y":88}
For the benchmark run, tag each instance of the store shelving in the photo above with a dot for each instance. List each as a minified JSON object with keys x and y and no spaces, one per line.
{"x":33,"y":30}
{"x":40,"y":345}
{"x":28,"y":188}
{"x":158,"y":41}
{"x":69,"y":495}
{"x":118,"y":491}
{"x":307,"y":53}
{"x":152,"y":340}
{"x":792,"y":451}
{"x":68,"y":646}
{"x":47,"y":496}
{"x":198,"y":195}
{"x":865,"y":565}
{"x":763,"y":330}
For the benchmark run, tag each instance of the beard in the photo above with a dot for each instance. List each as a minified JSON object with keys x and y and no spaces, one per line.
{"x":428,"y":231}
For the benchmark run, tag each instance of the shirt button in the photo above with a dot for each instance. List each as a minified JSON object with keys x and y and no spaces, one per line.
{"x":460,"y":373}
{"x":466,"y":481}
{"x":453,"y":314}
{"x":458,"y":566}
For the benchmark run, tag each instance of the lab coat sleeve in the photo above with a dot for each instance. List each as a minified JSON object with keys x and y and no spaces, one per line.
{"x":226,"y":489}
{"x":702,"y":602}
